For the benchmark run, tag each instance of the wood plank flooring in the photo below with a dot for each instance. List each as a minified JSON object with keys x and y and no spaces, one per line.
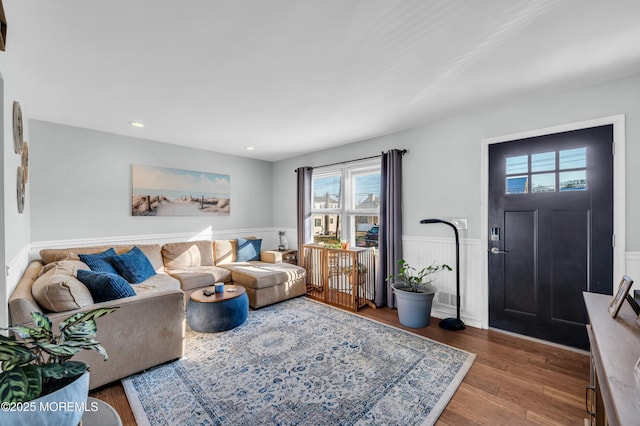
{"x":512,"y":382}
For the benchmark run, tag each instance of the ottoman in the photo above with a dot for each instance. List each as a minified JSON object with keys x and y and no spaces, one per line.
{"x":268,"y":283}
{"x":218,"y":312}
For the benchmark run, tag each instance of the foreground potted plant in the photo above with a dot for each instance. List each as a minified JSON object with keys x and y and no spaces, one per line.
{"x":39,"y":384}
{"x":414,"y":293}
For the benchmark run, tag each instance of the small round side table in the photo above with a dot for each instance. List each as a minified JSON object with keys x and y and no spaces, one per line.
{"x":99,"y":413}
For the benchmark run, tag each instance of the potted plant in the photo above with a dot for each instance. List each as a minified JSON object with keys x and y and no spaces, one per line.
{"x":414,"y":293}
{"x":38,"y":380}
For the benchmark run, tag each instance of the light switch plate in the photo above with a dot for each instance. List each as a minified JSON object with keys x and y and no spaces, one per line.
{"x":459,"y":223}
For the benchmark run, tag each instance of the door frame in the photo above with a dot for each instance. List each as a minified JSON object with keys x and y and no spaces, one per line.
{"x":619,"y":200}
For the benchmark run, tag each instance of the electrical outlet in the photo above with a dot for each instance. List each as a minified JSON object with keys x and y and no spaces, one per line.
{"x":459,"y":223}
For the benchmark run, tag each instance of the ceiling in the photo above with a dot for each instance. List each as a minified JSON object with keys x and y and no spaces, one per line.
{"x":294,"y":76}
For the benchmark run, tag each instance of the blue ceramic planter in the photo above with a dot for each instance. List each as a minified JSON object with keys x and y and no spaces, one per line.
{"x":414,"y":308}
{"x":63,"y":407}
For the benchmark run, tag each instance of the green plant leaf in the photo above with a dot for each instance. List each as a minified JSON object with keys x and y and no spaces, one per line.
{"x":82,"y":331}
{"x":65,"y":369}
{"x":42,"y":321}
{"x":13,"y":353}
{"x":20,"y":384}
{"x":98,"y":348}
{"x":59,"y":350}
{"x":85,"y":316}
{"x":31,"y":333}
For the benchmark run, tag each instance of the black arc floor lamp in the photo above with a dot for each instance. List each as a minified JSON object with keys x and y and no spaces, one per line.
{"x":452,"y":323}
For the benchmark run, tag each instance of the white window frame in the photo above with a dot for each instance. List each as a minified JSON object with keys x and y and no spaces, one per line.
{"x":348,"y":211}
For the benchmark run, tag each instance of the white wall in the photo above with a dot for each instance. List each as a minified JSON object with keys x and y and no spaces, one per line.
{"x":15,"y":226}
{"x":443,"y":163}
{"x":81,"y":185}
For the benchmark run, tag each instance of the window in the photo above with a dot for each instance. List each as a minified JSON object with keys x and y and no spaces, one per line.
{"x":547,"y":172}
{"x":346,"y":204}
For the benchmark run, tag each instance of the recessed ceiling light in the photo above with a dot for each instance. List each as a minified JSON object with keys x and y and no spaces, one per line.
{"x":136,"y":124}
{"x":249,"y":148}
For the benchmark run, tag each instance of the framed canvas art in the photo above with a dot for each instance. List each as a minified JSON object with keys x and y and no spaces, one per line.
{"x":159,"y":191}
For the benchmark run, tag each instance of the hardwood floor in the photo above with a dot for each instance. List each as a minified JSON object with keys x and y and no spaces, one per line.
{"x":512,"y":382}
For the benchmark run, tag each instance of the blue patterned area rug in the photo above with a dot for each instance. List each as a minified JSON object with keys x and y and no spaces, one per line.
{"x":301,"y":363}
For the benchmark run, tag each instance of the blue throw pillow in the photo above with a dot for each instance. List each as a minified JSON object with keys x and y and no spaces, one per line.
{"x":100,"y":262}
{"x":133,"y":266}
{"x":248,"y":250}
{"x":104,"y":286}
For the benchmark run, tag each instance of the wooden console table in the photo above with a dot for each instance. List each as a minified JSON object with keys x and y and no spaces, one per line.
{"x":615,"y":348}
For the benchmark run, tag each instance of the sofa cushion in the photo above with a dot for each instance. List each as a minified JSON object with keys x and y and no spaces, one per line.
{"x":187,"y":254}
{"x":259,"y":275}
{"x":160,"y":282}
{"x":152,"y":251}
{"x":248,"y":250}
{"x":100,"y":262}
{"x":54,"y":255}
{"x":202,"y":276}
{"x":58,"y":290}
{"x":224,"y":251}
{"x":105,"y":286}
{"x":133,"y":266}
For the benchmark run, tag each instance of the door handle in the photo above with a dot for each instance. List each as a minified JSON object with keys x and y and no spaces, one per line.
{"x":496,"y":250}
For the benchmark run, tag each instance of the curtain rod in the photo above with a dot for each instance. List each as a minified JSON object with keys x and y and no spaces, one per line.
{"x":404,"y":151}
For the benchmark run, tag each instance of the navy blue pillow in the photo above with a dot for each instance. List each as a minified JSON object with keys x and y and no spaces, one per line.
{"x":248,"y":250}
{"x":100,"y":262}
{"x":133,"y":266}
{"x":104,"y":286}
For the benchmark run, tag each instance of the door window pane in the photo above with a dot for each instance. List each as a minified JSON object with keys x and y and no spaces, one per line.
{"x":517,"y":185}
{"x":573,"y":158}
{"x":543,"y":162}
{"x":326,"y":192}
{"x":573,"y":181}
{"x":519,"y":164}
{"x":545,"y":182}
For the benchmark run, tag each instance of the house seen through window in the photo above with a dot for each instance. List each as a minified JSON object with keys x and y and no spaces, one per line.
{"x":346,"y":204}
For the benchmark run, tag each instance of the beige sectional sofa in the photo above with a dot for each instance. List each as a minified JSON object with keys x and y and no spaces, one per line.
{"x":199,"y":264}
{"x":148,"y":328}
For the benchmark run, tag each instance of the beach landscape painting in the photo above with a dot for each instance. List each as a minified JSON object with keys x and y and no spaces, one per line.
{"x":159,"y":191}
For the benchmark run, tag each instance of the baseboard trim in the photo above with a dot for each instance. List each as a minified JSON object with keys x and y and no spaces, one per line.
{"x":543,"y":342}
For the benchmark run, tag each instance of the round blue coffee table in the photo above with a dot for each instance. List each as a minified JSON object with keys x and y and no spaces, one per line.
{"x":218,"y":312}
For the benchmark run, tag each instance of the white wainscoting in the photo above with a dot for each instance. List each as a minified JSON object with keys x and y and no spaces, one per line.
{"x":423,"y":251}
{"x":14,"y":270}
{"x":17,"y":265}
{"x":269,"y":238}
{"x":418,"y":251}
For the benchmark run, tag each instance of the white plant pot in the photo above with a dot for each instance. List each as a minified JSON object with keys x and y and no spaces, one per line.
{"x":63,"y":407}
{"x":414,"y":308}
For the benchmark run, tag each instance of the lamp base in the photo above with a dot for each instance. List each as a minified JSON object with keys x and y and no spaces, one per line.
{"x":454,"y":324}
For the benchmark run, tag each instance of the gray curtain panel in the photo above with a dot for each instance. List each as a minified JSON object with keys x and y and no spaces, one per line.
{"x":304,"y":207}
{"x":390,"y":232}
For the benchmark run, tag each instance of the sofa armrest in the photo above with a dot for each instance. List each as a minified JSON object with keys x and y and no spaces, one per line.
{"x":21,"y":301}
{"x":145,"y":331}
{"x":133,"y":302}
{"x":271,"y":256}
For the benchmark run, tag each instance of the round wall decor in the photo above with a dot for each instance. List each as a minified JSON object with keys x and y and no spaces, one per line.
{"x":25,"y":161}
{"x":17,"y":128}
{"x":20,"y":189}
